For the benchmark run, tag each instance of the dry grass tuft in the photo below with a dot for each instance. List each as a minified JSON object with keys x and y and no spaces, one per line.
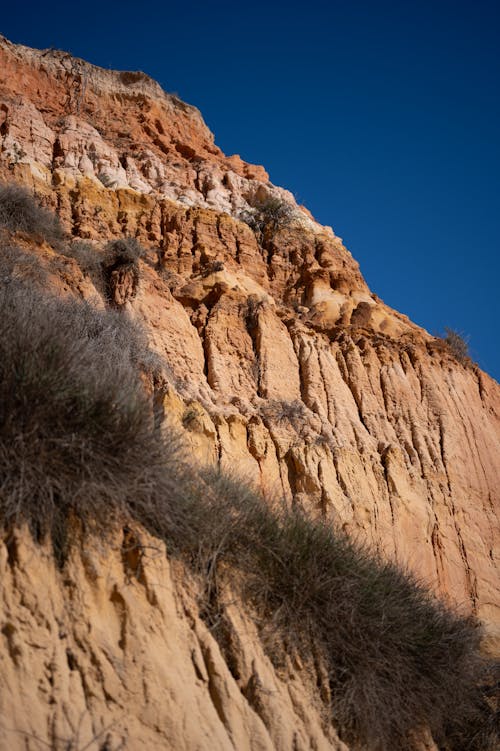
{"x":77,"y":437}
{"x":398,"y":659}
{"x":21,"y":211}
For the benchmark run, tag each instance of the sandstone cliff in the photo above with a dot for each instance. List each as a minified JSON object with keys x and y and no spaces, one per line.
{"x":282,"y":363}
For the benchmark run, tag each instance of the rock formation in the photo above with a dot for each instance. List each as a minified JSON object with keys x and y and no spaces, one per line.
{"x":282,"y":363}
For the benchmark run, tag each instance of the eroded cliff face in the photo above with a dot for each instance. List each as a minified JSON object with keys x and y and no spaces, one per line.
{"x":112,"y":654}
{"x":282,"y":364}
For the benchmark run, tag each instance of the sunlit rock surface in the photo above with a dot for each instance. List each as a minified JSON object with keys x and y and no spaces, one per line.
{"x":282,"y":365}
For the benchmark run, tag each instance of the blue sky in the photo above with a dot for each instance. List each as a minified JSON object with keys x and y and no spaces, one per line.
{"x":381,"y":117}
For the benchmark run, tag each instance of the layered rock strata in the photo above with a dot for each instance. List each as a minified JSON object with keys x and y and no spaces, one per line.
{"x":281,"y":362}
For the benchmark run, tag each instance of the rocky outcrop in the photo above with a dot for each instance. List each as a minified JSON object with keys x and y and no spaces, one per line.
{"x":282,"y":363}
{"x":54,"y":122}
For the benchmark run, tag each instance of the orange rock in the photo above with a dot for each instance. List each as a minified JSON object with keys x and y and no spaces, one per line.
{"x":283,"y":363}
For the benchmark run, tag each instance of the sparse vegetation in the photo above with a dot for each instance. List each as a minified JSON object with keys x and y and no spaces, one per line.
{"x":85,"y":254}
{"x":267,"y":218}
{"x":457,"y":344}
{"x":294,"y":411}
{"x":72,"y":741}
{"x":253,"y":306}
{"x":125,"y":251}
{"x":17,"y":264}
{"x":80,"y":453}
{"x":189,"y":416}
{"x":76,"y":431}
{"x":212,"y":268}
{"x":21,"y":211}
{"x":121,"y":269}
{"x":397,"y":659}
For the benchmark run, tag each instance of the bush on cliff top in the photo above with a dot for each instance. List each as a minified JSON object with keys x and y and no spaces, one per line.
{"x":78,"y":441}
{"x":457,"y":344}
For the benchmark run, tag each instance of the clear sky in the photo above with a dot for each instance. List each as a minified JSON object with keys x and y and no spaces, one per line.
{"x":382,"y":117}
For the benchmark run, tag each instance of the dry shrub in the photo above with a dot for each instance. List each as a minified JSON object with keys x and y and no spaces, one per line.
{"x":124,"y":251}
{"x":17,"y":264}
{"x":398,"y":659}
{"x":76,"y":430}
{"x":21,"y":211}
{"x":212,"y":267}
{"x":267,"y":218}
{"x":121,"y":269}
{"x":457,"y":344}
{"x":85,"y":254}
{"x":251,"y":311}
{"x":279,"y":410}
{"x":479,"y":729}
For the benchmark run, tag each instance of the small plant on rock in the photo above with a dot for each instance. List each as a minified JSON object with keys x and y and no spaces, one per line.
{"x":121,"y":270}
{"x":457,"y":344}
{"x":267,"y":218}
{"x":213,"y":267}
{"x":253,"y":307}
{"x":292,"y":411}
